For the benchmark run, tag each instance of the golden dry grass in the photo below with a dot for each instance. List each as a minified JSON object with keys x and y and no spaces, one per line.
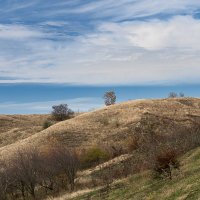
{"x":18,"y":127}
{"x":111,"y":124}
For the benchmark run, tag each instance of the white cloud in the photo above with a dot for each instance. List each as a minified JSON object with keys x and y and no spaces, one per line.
{"x":178,"y":32}
{"x":19,"y":32}
{"x":136,"y":52}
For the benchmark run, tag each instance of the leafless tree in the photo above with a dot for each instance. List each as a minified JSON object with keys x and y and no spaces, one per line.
{"x":61,"y":112}
{"x":181,"y":94}
{"x":3,"y":181}
{"x":49,"y":172}
{"x":110,"y":98}
{"x":67,"y":162}
{"x":173,"y":95}
{"x":26,"y":166}
{"x":30,"y":170}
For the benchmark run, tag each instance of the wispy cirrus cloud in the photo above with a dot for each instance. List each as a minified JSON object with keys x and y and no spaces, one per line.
{"x":18,"y":32}
{"x":132,"y":41}
{"x":130,"y":9}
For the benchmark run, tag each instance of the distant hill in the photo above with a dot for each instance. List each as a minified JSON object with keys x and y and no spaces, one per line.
{"x":159,"y":126}
{"x":113,"y":124}
{"x":14,"y":128}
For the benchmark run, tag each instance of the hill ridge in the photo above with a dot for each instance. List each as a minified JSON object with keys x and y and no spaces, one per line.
{"x":112,"y":124}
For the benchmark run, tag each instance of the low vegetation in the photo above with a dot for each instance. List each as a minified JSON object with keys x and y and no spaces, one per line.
{"x":47,"y":124}
{"x":93,"y":157}
{"x":33,"y":173}
{"x":176,"y":95}
{"x":183,"y":185}
{"x":165,"y":163}
{"x":140,"y":154}
{"x":36,"y":173}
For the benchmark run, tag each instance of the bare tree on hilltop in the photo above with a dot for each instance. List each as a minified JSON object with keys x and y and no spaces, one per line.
{"x":176,"y":95}
{"x":173,"y":95}
{"x":110,"y":98}
{"x":61,"y":112}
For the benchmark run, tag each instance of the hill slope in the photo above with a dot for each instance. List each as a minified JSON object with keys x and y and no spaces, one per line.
{"x":17,"y":127}
{"x":116,"y":123}
{"x":184,"y":185}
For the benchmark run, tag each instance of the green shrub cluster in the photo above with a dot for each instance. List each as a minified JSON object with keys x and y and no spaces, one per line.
{"x":94,"y":156}
{"x":47,"y":124}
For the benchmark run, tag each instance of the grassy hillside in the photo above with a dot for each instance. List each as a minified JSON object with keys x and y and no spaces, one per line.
{"x":116,"y":123}
{"x":184,"y":185}
{"x":17,"y":127}
{"x":131,"y":137}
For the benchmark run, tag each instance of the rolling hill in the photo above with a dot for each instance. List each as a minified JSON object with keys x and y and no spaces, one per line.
{"x":14,"y":128}
{"x":113,"y":124}
{"x":183,"y":186}
{"x":177,"y":119}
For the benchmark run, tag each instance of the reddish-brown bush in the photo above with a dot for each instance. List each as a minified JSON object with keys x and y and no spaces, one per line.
{"x":165,"y":163}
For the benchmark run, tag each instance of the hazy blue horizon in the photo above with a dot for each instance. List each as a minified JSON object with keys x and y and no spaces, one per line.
{"x":39,"y":98}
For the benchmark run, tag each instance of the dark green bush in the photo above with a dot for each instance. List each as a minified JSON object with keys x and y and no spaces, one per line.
{"x":47,"y":124}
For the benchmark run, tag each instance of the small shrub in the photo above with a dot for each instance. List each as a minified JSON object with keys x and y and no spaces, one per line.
{"x":105,"y":176}
{"x":104,"y":120}
{"x":181,"y":94}
{"x":47,"y":124}
{"x":93,"y":157}
{"x":115,"y":150}
{"x":186,"y":102}
{"x":132,"y":143}
{"x":173,"y":95}
{"x":165,"y":163}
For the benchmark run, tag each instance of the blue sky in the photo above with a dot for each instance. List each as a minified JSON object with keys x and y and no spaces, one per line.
{"x":39,"y":98}
{"x":104,"y":44}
